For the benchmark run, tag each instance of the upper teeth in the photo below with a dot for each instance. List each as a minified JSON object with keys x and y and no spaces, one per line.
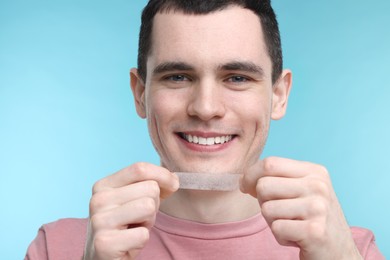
{"x":209,"y":140}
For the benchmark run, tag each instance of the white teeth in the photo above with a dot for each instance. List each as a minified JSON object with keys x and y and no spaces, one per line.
{"x":209,"y":140}
{"x":202,"y":140}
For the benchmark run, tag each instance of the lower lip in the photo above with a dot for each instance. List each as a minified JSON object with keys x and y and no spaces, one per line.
{"x":205,"y":148}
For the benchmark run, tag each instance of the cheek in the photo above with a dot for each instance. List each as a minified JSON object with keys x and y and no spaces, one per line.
{"x":253,"y":108}
{"x":254,"y":112}
{"x":163,"y":107}
{"x":163,"y":104}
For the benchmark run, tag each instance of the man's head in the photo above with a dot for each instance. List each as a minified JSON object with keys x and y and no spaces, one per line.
{"x":210,"y":89}
{"x":262,"y":9}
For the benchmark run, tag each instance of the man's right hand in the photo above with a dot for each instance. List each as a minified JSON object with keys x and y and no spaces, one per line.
{"x":123,"y":209}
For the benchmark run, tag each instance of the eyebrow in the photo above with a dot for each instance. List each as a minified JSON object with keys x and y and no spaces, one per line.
{"x":172,"y":66}
{"x":246,"y":66}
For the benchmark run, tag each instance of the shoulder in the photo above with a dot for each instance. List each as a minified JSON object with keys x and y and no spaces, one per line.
{"x":365,"y":242}
{"x":62,"y":239}
{"x":362,"y":234}
{"x":66,"y":233}
{"x":66,"y":226}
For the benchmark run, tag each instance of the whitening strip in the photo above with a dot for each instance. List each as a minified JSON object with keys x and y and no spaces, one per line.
{"x":208,"y":181}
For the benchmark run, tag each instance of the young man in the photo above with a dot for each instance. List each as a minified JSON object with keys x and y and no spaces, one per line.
{"x":209,"y":81}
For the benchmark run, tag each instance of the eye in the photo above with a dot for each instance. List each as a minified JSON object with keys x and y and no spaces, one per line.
{"x":177,"y":78}
{"x":237,"y":79}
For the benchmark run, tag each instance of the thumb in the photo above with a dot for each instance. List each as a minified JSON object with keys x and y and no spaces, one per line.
{"x":250,"y":177}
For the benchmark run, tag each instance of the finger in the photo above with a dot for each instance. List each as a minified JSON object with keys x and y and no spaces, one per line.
{"x":114,"y":244}
{"x":283,"y":209}
{"x":283,"y":167}
{"x":248,"y":181}
{"x":134,"y":213}
{"x":274,"y":188}
{"x":279,"y":167}
{"x":111,"y":198}
{"x":298,"y":232}
{"x":294,"y":209}
{"x":167,"y":181}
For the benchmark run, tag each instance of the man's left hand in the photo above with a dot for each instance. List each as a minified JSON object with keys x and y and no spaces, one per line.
{"x":300,"y":206}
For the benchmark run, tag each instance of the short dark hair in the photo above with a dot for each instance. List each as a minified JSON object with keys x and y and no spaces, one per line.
{"x":262,"y":8}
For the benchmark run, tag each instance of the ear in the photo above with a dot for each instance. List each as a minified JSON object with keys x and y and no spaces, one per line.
{"x":138,"y":88}
{"x":281,"y":92}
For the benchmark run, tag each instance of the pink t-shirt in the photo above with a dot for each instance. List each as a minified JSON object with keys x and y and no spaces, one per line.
{"x":173,"y":238}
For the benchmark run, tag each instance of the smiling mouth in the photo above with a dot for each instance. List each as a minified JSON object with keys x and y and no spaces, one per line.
{"x":206,"y":140}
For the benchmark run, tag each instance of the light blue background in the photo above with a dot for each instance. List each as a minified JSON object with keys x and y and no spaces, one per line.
{"x":67,"y":117}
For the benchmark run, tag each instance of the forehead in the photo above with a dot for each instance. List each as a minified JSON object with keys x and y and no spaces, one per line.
{"x":232,"y":34}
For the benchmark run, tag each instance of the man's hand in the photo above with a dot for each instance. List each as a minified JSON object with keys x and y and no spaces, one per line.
{"x":123,"y":208}
{"x":300,"y":206}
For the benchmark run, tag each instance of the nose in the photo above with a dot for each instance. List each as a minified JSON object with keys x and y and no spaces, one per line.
{"x":207,"y":101}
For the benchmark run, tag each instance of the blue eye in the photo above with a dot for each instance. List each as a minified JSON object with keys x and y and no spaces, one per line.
{"x":177,"y":78}
{"x":237,"y":79}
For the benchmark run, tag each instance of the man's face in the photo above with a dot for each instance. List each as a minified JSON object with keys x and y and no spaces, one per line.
{"x":208,"y":95}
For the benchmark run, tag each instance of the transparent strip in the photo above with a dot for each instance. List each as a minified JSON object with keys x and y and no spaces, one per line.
{"x":208,"y":181}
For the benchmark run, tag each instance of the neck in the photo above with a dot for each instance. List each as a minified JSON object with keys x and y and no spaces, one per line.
{"x":210,"y":206}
